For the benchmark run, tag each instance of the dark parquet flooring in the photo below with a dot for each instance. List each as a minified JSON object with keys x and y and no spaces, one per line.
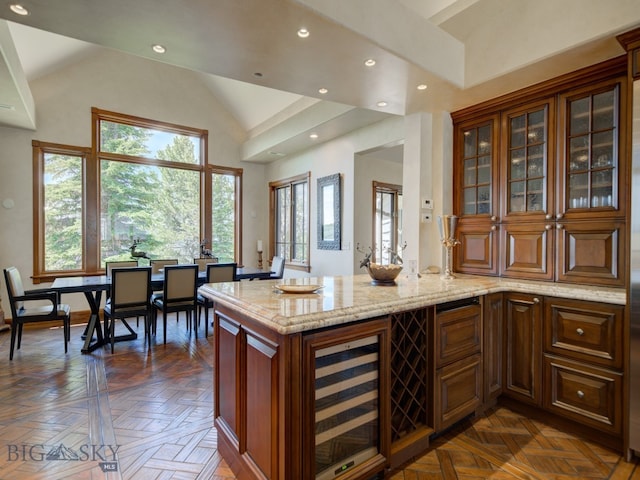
{"x":147,"y":414}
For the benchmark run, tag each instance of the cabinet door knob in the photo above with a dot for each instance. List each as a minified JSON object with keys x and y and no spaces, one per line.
{"x":494,"y":218}
{"x":548,"y":216}
{"x":548,"y":227}
{"x":580,"y":394}
{"x":559,"y":227}
{"x":493,"y":228}
{"x":559,"y":216}
{"x":536,"y":300}
{"x":580,"y":331}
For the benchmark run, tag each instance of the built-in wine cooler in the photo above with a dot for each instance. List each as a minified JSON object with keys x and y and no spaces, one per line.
{"x":346,"y":404}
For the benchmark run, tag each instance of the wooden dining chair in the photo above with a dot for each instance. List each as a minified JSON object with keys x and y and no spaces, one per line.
{"x":26,"y":307}
{"x":108,"y":266}
{"x":130,"y":297}
{"x":179,"y":294}
{"x":277,"y":267}
{"x":216,"y":272}
{"x":157,"y":265}
{"x":203,"y":262}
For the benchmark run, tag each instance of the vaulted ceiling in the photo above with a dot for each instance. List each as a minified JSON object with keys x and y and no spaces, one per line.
{"x":251,"y":57}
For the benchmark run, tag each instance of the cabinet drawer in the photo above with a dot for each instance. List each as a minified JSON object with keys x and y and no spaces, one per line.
{"x":586,"y":331}
{"x":589,"y":395}
{"x":458,"y":334}
{"x":458,"y":391}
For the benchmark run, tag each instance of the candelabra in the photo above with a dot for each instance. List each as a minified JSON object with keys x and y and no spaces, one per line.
{"x":447,"y":225}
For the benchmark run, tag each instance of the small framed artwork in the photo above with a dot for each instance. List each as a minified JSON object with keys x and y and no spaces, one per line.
{"x":329,"y":212}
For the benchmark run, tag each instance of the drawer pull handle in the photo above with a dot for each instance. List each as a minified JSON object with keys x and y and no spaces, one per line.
{"x":580,"y":331}
{"x":536,"y":300}
{"x":580,"y":394}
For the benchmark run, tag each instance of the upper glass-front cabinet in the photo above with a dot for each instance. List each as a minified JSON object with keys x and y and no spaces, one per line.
{"x":526,"y":143}
{"x":478,"y":147}
{"x":592,"y":150}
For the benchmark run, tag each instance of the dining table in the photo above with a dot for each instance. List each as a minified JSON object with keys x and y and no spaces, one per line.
{"x":92,"y":287}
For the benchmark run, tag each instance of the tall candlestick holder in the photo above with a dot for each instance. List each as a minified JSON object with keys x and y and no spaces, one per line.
{"x":447,"y":225}
{"x":260,"y":259}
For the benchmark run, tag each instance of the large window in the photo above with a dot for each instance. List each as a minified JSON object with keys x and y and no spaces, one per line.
{"x":290,"y":220}
{"x":142,"y":188}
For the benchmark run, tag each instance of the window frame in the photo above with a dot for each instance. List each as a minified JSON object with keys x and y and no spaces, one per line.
{"x":39,"y":150}
{"x":273,"y":204}
{"x":91,"y":158}
{"x":395,"y":191}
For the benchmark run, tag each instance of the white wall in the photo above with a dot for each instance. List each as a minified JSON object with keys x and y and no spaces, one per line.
{"x":125,"y":84}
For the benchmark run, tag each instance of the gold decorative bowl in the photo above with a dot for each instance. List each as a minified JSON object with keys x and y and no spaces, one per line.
{"x":384,"y":274}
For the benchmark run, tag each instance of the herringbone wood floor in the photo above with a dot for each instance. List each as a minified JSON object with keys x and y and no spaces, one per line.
{"x":154,"y":408}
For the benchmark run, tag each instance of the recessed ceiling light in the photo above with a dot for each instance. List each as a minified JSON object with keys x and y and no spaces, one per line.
{"x":257,"y":74}
{"x":158,"y":48}
{"x":276,"y":154}
{"x":313,"y":136}
{"x":381,"y":103}
{"x":323,"y":91}
{"x":303,"y":33}
{"x":422,"y":86}
{"x":370,"y":62}
{"x":19,"y":9}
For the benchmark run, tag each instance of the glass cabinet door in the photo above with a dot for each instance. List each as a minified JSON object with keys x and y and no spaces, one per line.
{"x":477,"y":170}
{"x":591,"y":166}
{"x":526,"y":161}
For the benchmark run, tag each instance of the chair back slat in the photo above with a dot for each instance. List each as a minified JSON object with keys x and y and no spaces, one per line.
{"x":221,"y":272}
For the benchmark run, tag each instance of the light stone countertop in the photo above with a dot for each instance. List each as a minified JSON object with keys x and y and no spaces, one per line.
{"x":345,"y":299}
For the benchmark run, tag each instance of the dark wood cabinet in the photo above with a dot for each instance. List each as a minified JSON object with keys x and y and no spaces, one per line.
{"x":458,"y":383}
{"x":527,"y":161}
{"x":493,"y":345}
{"x":591,"y":252}
{"x":476,"y":178}
{"x":356,"y":400}
{"x":523,"y":347}
{"x":527,"y":250}
{"x":302,"y":405}
{"x":583,"y":362}
{"x":553,"y":213}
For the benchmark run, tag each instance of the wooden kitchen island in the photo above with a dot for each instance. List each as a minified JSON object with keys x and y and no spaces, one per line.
{"x":352,"y":380}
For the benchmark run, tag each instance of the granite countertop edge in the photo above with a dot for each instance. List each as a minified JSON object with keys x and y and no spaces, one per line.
{"x":471,"y":287}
